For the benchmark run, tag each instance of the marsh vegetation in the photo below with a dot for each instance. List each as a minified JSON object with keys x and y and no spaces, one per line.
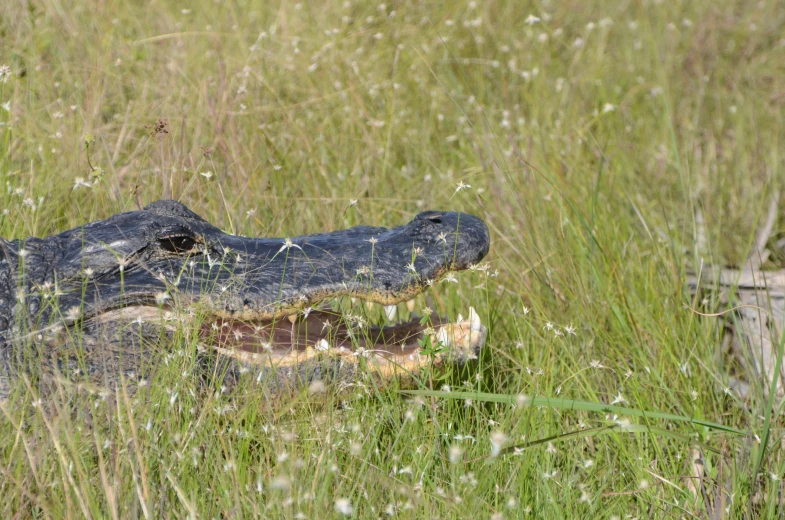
{"x":610,"y":147}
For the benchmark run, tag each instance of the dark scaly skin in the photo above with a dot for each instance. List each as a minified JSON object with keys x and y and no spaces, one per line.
{"x":53,"y":291}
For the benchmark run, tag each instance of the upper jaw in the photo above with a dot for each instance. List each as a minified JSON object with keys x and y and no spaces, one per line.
{"x":381,"y":265}
{"x":259,"y":278}
{"x":247,"y":278}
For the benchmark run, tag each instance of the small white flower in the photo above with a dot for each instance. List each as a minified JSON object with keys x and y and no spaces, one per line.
{"x":456,"y":452}
{"x":80,"y":182}
{"x":288,"y":244}
{"x":281,"y":483}
{"x":531,"y":19}
{"x":623,"y":423}
{"x":462,"y":186}
{"x":343,"y":506}
{"x":497,"y":442}
{"x":619,"y":399}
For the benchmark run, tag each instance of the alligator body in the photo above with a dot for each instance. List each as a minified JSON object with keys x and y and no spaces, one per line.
{"x":96,"y":303}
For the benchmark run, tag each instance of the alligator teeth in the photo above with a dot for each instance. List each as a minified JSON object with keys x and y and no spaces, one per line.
{"x":442,"y":337}
{"x":410,"y":305}
{"x":292,"y":318}
{"x":390,"y":311}
{"x":474,"y":319}
{"x":354,"y":300}
{"x":369,"y":305}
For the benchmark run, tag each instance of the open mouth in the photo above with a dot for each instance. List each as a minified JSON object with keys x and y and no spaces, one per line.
{"x":389,"y":339}
{"x":388,"y":345}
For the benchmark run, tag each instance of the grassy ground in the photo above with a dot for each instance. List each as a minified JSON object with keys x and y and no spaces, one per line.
{"x":590,"y":133}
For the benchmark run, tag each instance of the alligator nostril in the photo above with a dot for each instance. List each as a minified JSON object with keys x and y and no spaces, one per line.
{"x":433,"y":216}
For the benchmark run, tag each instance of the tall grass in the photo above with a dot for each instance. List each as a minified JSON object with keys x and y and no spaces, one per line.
{"x":589,"y":133}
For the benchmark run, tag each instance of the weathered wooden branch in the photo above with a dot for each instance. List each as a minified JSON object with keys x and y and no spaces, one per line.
{"x":757,"y":300}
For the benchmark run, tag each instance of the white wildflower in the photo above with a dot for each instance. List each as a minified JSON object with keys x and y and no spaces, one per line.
{"x":343,"y":506}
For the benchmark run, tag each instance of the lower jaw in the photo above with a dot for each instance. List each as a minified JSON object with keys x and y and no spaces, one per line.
{"x":326,"y":335}
{"x":290,"y":346}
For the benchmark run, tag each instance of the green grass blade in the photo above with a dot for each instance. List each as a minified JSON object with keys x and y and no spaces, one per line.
{"x":573,"y":404}
{"x":604,"y":430}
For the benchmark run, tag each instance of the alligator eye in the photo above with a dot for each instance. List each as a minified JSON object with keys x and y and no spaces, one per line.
{"x":177,"y":244}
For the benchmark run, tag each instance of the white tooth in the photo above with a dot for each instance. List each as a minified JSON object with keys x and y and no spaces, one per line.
{"x":442,"y":336}
{"x":369,"y":305}
{"x":460,"y":318}
{"x":354,"y":300}
{"x":474,"y":319}
{"x":292,"y":318}
{"x":390,"y":311}
{"x":410,"y":305}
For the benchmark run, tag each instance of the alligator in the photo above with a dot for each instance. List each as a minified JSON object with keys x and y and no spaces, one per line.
{"x":94,"y":305}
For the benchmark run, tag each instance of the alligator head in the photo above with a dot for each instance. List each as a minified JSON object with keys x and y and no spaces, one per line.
{"x":258,"y":300}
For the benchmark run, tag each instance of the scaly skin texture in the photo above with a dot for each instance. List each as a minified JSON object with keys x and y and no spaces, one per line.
{"x":57,"y":292}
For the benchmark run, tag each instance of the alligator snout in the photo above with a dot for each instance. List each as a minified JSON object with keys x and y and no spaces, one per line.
{"x":467,"y":234}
